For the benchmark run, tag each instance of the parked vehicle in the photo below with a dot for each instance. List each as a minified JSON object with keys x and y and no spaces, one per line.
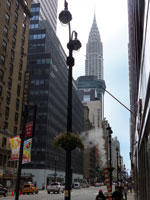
{"x":77,"y":185}
{"x":55,"y":187}
{"x":3,"y":190}
{"x":29,"y":188}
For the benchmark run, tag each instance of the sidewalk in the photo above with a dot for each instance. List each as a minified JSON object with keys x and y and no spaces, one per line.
{"x":130,"y":196}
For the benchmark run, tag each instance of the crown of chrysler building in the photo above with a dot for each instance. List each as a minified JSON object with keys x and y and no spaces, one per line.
{"x":94,"y":53}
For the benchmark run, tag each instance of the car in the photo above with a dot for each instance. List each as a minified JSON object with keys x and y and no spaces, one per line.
{"x":55,"y":187}
{"x":29,"y":188}
{"x":97,"y":184}
{"x":77,"y":185}
{"x":3,"y":190}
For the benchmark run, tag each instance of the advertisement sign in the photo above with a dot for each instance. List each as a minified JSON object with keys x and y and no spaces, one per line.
{"x":28,"y":130}
{"x":15,"y":149}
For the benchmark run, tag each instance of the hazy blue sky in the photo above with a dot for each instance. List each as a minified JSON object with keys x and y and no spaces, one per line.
{"x":112,"y":21}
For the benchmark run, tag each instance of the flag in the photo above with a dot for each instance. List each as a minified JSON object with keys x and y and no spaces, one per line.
{"x":15,"y":149}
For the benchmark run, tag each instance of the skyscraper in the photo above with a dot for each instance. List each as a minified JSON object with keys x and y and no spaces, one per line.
{"x":14,"y":21}
{"x":94,"y":53}
{"x":48,"y":11}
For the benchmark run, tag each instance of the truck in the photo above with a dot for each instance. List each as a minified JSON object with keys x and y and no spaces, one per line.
{"x":55,"y":187}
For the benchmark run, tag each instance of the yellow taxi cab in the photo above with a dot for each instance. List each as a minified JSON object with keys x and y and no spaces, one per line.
{"x":29,"y":188}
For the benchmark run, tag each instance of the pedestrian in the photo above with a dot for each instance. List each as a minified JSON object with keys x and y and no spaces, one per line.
{"x":100,"y":196}
{"x":117,"y":195}
{"x":125,"y":191}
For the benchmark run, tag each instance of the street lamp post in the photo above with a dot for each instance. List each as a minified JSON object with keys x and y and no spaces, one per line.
{"x":73,"y":45}
{"x":117,"y":150}
{"x":110,"y":157}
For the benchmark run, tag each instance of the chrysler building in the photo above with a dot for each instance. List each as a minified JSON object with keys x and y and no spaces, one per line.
{"x":94,"y":53}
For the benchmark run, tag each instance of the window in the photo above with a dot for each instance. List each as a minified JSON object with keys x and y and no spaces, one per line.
{"x":1,"y":90}
{"x":4,"y":45}
{"x":17,"y":104}
{"x":6,"y":112}
{"x":13,"y":42}
{"x":11,"y":68}
{"x":4,"y":141}
{"x":15,"y":28}
{"x":16,"y":117}
{"x":8,"y":4}
{"x":22,"y":51}
{"x":86,"y":98}
{"x":17,"y":4}
{"x":23,"y":39}
{"x":15,"y":130}
{"x":1,"y":75}
{"x":5,"y":31}
{"x":5,"y":125}
{"x":25,"y":16}
{"x":2,"y":60}
{"x":12,"y":55}
{"x":16,"y":16}
{"x":24,"y":28}
{"x":18,"y":90}
{"x":7,"y":18}
{"x":21,"y":64}
{"x":19,"y":76}
{"x":8,"y":97}
{"x":9,"y":83}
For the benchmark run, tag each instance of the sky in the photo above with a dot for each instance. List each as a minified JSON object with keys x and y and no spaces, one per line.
{"x":112,"y":21}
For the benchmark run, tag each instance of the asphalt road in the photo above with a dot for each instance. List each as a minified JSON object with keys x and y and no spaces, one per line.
{"x":76,"y":194}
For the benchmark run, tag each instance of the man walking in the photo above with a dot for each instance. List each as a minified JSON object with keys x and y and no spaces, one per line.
{"x":117,"y":195}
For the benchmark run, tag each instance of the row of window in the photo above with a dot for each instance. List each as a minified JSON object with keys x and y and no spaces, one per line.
{"x":37,"y":82}
{"x":40,"y":61}
{"x":35,"y":17}
{"x":37,"y":9}
{"x":33,"y":26}
{"x":37,"y":36}
{"x":39,"y":92}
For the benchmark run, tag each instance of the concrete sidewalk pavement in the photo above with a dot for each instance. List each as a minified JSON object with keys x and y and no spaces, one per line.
{"x":130,"y":196}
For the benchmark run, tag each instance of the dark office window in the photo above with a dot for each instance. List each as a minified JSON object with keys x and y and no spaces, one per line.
{"x":1,"y":90}
{"x":15,"y":28}
{"x":4,"y":45}
{"x":17,"y":104}
{"x":15,"y":130}
{"x":7,"y":112}
{"x":21,"y":64}
{"x":13,"y":42}
{"x":1,"y":75}
{"x":19,"y":76}
{"x":24,"y":28}
{"x":18,"y":90}
{"x":8,"y":97}
{"x":23,"y":39}
{"x":5,"y":125}
{"x":7,"y":18}
{"x":5,"y":31}
{"x":16,"y":16}
{"x":9,"y":83}
{"x":12,"y":55}
{"x":2,"y":60}
{"x":11,"y":68}
{"x":4,"y":141}
{"x":22,"y":51}
{"x":16,"y":117}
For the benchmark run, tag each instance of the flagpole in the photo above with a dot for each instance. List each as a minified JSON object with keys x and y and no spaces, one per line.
{"x":22,"y":136}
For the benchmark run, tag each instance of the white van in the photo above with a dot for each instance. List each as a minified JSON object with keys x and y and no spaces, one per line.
{"x":77,"y":185}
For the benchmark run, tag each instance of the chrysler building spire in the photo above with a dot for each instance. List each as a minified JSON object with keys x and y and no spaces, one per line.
{"x":94,"y":53}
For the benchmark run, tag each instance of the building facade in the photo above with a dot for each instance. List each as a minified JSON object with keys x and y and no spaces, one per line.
{"x":48,"y":11}
{"x":48,"y":90}
{"x":14,"y":31}
{"x":139,"y":68}
{"x":94,"y":53}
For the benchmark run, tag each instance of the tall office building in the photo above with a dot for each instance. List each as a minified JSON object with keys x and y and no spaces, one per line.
{"x":94,"y":53}
{"x":48,"y":11}
{"x":48,"y":90}
{"x":14,"y":23}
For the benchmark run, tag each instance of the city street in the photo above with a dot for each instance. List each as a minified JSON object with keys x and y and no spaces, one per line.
{"x":76,"y":194}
